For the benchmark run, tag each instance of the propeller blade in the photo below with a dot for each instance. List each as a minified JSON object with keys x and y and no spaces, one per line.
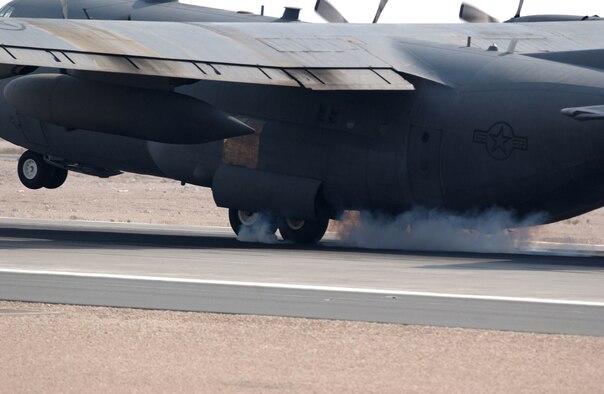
{"x":64,"y":5}
{"x":329,"y":12}
{"x":519,"y":9}
{"x":379,"y":11}
{"x":471,"y":14}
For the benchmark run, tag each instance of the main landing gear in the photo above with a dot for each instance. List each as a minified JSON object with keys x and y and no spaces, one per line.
{"x":306,"y":232}
{"x":251,"y":222}
{"x":35,"y":173}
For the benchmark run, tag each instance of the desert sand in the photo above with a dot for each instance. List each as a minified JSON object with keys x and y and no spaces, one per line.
{"x":68,"y":349}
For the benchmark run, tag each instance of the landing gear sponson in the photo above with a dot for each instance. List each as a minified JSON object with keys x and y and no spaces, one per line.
{"x":294,"y":230}
{"x":35,"y":173}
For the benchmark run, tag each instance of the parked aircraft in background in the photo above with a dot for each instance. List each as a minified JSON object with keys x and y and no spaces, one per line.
{"x":300,"y":122}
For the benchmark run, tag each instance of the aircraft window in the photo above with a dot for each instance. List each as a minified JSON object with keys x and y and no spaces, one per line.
{"x":6,"y":11}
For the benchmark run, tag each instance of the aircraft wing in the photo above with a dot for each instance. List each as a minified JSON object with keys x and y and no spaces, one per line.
{"x":313,"y":56}
{"x":196,"y":52}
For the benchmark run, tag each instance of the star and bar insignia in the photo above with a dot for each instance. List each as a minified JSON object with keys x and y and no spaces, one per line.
{"x":500,"y":141}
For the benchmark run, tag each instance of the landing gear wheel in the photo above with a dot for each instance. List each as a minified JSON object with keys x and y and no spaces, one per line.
{"x":254,"y":221}
{"x":238,"y":219}
{"x":57,"y":178}
{"x":33,"y":171}
{"x":306,"y":232}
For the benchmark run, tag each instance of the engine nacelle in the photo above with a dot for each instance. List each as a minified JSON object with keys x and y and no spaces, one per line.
{"x":153,"y":115}
{"x":259,"y":191}
{"x":10,"y":70}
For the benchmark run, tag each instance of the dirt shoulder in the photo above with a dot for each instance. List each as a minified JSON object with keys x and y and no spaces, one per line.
{"x":71,"y":349}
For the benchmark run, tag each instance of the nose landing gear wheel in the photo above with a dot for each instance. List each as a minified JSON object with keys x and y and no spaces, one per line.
{"x":306,"y":232}
{"x":253,"y":221}
{"x":33,"y":171}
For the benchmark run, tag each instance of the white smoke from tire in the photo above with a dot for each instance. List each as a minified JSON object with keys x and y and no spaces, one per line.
{"x":261,"y":232}
{"x":492,"y":231}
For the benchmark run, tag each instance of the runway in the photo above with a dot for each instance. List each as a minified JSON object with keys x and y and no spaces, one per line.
{"x":202,"y":269}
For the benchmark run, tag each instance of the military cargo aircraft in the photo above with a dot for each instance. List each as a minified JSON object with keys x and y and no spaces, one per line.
{"x":300,"y":122}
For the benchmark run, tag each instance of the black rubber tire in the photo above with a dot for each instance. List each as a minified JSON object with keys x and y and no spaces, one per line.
{"x":33,"y":171}
{"x":237,"y":224}
{"x":57,"y":178}
{"x":310,"y":232}
{"x":234,"y":220}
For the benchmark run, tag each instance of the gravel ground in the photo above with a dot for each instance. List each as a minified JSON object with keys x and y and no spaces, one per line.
{"x":70,"y":349}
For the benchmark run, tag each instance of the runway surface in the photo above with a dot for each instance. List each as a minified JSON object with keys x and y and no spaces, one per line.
{"x":202,"y":269}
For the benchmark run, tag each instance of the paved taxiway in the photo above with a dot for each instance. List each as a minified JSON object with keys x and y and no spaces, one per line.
{"x":208,"y":270}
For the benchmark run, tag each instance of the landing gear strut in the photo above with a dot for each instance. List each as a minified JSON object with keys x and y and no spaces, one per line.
{"x":35,"y":173}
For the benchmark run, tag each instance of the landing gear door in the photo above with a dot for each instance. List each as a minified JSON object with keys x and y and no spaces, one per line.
{"x":423,"y":155}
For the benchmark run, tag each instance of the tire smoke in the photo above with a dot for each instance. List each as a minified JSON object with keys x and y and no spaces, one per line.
{"x":262,"y":231}
{"x":492,"y":231}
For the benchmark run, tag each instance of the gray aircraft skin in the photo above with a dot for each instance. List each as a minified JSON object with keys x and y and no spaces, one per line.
{"x":141,"y":10}
{"x":304,"y":121}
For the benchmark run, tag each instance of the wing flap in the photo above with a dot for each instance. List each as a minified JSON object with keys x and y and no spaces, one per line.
{"x":350,"y":79}
{"x":32,"y":57}
{"x":310,"y":78}
{"x":144,"y":66}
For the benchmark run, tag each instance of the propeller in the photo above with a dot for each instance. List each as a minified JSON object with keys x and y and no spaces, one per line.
{"x":64,"y":6}
{"x":331,"y":14}
{"x":379,"y":11}
{"x":471,"y":14}
{"x":519,"y":9}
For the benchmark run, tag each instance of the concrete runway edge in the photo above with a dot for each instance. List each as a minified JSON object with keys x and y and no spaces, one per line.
{"x":311,"y":303}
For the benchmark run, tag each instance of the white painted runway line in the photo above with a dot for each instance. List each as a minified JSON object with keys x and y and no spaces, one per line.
{"x":285,"y":286}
